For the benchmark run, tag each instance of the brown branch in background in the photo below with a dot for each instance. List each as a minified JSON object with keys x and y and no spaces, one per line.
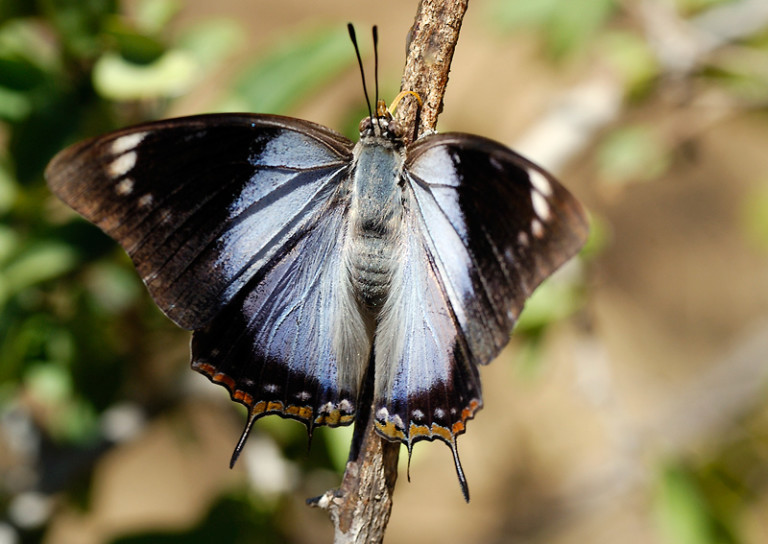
{"x":360,"y":508}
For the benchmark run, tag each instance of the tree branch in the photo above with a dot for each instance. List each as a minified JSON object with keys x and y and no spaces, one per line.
{"x":360,"y":508}
{"x":431,"y":42}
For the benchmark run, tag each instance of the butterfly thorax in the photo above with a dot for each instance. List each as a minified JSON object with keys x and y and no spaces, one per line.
{"x":376,"y":209}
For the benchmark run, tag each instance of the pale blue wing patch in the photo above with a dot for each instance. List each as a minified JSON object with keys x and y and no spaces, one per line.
{"x":288,"y":343}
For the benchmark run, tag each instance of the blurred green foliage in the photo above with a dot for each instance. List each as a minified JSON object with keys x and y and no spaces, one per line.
{"x":755,"y":216}
{"x":565,"y":26}
{"x":75,"y":321}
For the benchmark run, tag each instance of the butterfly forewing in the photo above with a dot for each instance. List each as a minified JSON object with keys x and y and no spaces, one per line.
{"x":201,"y":204}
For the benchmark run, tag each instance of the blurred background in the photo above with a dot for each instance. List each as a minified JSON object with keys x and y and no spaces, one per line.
{"x":631,"y":404}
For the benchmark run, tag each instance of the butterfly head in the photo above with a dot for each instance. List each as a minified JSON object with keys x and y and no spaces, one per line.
{"x":382,"y":126}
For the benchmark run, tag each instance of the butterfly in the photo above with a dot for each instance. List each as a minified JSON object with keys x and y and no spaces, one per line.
{"x":303,"y":261}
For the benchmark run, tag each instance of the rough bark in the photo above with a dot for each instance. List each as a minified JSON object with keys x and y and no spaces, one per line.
{"x":360,"y":508}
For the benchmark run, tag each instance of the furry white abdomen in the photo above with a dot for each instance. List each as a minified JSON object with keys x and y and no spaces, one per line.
{"x":376,"y":223}
{"x":371,"y":254}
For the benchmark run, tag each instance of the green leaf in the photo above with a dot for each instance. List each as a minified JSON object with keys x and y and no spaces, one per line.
{"x":293,"y":70}
{"x":634,"y":153}
{"x":553,"y":300}
{"x":337,"y":442}
{"x":565,"y":25}
{"x":41,"y":262}
{"x":79,"y":24}
{"x":755,"y":216}
{"x":135,"y":47}
{"x":575,"y":23}
{"x":9,"y":243}
{"x":211,"y":40}
{"x":14,"y":106}
{"x":153,"y":15}
{"x":631,"y":57}
{"x":682,"y":511}
{"x":170,"y":75}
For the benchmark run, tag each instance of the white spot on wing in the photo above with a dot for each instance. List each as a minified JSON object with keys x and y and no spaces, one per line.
{"x":540,"y":206}
{"x":539,"y":182}
{"x":127,"y":142}
{"x":146,"y":200}
{"x":382,"y":414}
{"x":125,"y":187}
{"x":122,"y":165}
{"x":522,"y":238}
{"x":537,"y":228}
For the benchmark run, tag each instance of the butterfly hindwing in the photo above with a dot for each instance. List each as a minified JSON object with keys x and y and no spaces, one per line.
{"x":273,"y":346}
{"x":201,"y":203}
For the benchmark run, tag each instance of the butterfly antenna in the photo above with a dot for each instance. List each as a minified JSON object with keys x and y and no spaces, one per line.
{"x":352,"y":37}
{"x":375,"y":32}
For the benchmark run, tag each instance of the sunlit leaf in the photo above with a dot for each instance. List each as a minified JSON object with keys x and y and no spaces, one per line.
{"x":41,"y":262}
{"x":682,"y":511}
{"x":152,"y":15}
{"x":14,"y":106}
{"x":755,"y":216}
{"x":554,"y":300}
{"x":630,"y":57}
{"x":564,"y":25}
{"x":211,"y":40}
{"x":293,"y":70}
{"x":170,"y":75}
{"x":632,"y":153}
{"x":337,"y":441}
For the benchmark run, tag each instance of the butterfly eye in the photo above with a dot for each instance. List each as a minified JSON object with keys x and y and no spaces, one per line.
{"x":365,"y":125}
{"x":395,"y":129}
